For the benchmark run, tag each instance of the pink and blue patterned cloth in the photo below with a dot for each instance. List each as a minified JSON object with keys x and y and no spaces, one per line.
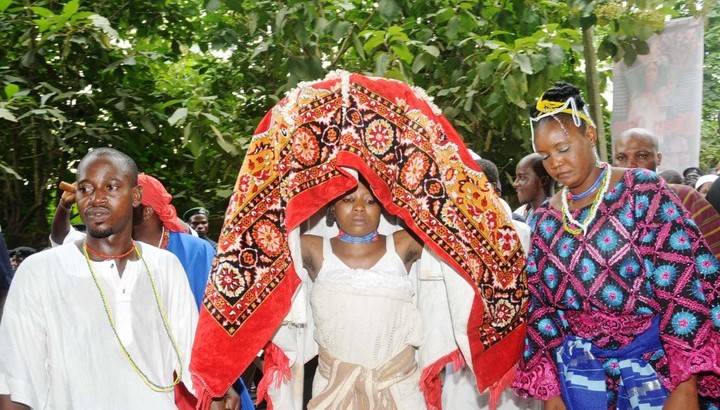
{"x":643,"y":257}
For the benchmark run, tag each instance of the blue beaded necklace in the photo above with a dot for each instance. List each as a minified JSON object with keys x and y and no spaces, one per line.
{"x":592,"y":188}
{"x":346,"y":237}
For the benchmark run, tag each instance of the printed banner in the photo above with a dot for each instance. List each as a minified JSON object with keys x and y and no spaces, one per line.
{"x":662,"y":92}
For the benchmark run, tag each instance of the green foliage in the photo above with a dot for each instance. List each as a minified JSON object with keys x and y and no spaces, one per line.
{"x":626,"y":24}
{"x":180,"y":85}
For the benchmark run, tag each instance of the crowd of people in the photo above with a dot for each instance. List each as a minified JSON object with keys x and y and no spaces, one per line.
{"x":622,"y":273}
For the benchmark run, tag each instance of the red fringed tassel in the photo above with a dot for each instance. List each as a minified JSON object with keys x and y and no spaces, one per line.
{"x":430,"y":382}
{"x":184,"y":400}
{"x":204,"y":402}
{"x":497,"y":388}
{"x":276,"y":370}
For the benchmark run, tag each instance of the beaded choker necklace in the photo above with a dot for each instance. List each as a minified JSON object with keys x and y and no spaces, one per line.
{"x":152,"y":385}
{"x":346,"y":237}
{"x":164,"y":238}
{"x":107,"y":256}
{"x":592,"y":188}
{"x":567,"y":216}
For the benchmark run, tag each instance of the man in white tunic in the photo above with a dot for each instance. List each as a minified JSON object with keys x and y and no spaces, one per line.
{"x":101,"y":323}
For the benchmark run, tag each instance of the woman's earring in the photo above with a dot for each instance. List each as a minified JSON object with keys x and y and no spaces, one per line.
{"x":330,"y":217}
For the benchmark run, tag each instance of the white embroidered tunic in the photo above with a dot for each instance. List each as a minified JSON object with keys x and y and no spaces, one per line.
{"x":367,"y":317}
{"x":57,"y":349}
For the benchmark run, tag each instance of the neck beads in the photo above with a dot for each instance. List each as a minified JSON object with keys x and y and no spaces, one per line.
{"x":346,"y":237}
{"x":152,"y":385}
{"x":569,"y":220}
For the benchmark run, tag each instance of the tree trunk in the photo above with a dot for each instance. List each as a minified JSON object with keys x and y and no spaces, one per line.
{"x":593,"y":81}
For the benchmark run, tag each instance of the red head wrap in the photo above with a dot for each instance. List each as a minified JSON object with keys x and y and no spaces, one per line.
{"x":157,"y":197}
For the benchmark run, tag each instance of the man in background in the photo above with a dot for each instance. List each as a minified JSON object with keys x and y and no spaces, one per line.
{"x":197,"y":218}
{"x":638,"y":148}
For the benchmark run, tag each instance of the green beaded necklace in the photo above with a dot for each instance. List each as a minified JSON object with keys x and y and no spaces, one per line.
{"x":152,"y":385}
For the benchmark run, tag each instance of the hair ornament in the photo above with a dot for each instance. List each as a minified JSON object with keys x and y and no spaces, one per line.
{"x":547,"y":108}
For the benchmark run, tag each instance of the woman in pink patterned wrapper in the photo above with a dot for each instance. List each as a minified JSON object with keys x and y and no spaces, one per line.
{"x":366,"y":324}
{"x":624,"y":292}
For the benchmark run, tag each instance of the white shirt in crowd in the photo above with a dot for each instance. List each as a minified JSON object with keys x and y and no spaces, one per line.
{"x":58,"y":350}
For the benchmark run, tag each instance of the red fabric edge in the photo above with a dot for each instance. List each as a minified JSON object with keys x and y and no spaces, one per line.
{"x":276,"y":371}
{"x":258,"y":329}
{"x":502,"y":356}
{"x":430,"y":382}
{"x":497,"y":388}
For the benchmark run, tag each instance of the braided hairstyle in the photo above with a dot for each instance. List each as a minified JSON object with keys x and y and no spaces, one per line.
{"x":560,"y":93}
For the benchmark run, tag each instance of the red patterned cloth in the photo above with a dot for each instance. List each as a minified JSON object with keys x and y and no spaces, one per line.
{"x":418,"y":168}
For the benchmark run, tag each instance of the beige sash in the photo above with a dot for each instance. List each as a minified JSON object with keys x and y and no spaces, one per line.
{"x":351,"y":386}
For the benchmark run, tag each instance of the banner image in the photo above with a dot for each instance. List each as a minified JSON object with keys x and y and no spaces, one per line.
{"x":662,"y":92}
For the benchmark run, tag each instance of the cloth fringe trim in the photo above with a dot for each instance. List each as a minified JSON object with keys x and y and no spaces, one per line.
{"x":204,"y":402}
{"x":276,"y":371}
{"x":430,"y":382}
{"x":498,"y":387}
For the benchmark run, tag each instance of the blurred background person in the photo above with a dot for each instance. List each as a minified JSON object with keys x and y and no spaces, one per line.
{"x":532,"y":184}
{"x":704,"y":183}
{"x":691,"y":175}
{"x":19,"y":254}
{"x":638,"y":148}
{"x":671,"y":176}
{"x":198,"y":220}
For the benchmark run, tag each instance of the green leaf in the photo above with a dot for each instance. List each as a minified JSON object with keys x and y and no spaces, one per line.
{"x":358,"y":46}
{"x":515,"y":86}
{"x":71,"y":8}
{"x":381,"y":64}
{"x":45,"y":97}
{"x":211,"y":117}
{"x":556,"y":55}
{"x":630,"y":56}
{"x":643,"y":33}
{"x":234,"y":5}
{"x":213,"y":5}
{"x":4,"y":4}
{"x":453,"y":27}
{"x":28,"y":59}
{"x":178,"y":116}
{"x":6,"y":168}
{"x":486,"y":69}
{"x":10,"y":90}
{"x":523,"y":61}
{"x":375,"y":40}
{"x":419,"y":63}
{"x":148,"y":125}
{"x":195,"y":144}
{"x":641,"y":47}
{"x":6,"y":114}
{"x":225,"y":145}
{"x":389,"y":10}
{"x":42,"y":12}
{"x":169,"y":103}
{"x":402,"y":52}
{"x":432,"y":50}
{"x":538,"y":62}
{"x":341,"y":30}
{"x":588,"y":21}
